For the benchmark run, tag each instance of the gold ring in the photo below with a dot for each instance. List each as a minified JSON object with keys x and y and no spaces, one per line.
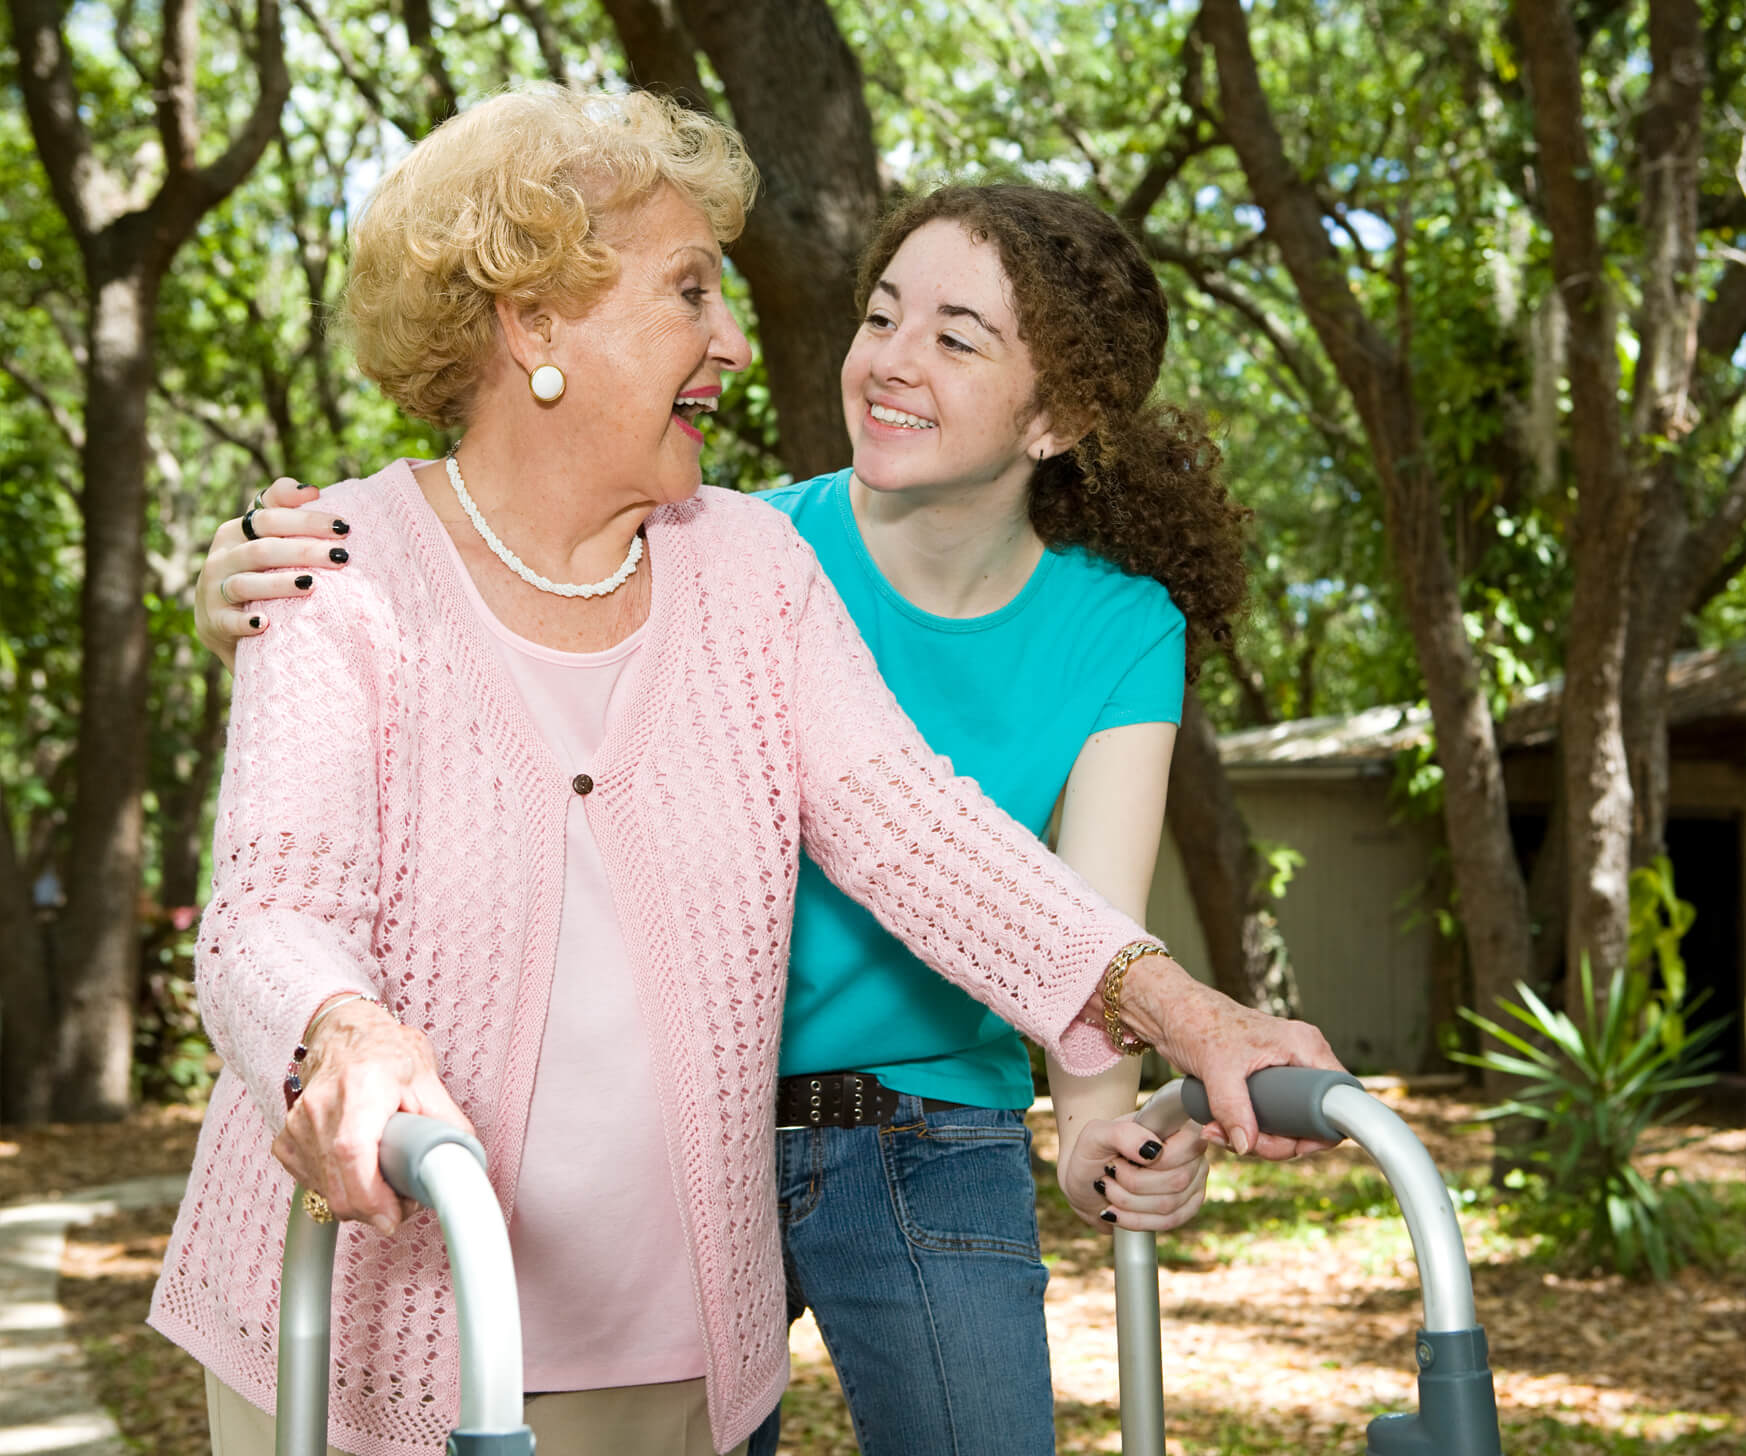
{"x":317,"y":1207}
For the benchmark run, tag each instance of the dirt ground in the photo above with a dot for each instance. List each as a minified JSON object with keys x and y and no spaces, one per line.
{"x":1278,"y":1337}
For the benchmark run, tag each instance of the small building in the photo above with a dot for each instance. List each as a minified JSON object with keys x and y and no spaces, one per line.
{"x":1359,"y":916}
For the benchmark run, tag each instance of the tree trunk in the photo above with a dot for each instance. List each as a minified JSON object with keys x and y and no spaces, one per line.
{"x":1677,"y":561}
{"x":26,"y":1010}
{"x":1614,"y":461}
{"x":100,"y":965}
{"x":1658,"y":606}
{"x":1224,"y":873}
{"x":183,"y":837}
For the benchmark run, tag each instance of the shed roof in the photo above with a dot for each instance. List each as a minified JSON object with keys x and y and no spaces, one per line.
{"x":1700,"y":685}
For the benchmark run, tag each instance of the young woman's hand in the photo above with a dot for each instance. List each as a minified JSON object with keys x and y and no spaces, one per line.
{"x":240,"y":574}
{"x":1120,"y":1175}
{"x":362,"y":1068}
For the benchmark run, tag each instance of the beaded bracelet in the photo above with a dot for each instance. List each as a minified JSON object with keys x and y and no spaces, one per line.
{"x":1128,"y":1045}
{"x":300,"y":1054}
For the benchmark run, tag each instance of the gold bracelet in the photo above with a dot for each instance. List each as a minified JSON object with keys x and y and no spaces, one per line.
{"x":1128,"y":1045}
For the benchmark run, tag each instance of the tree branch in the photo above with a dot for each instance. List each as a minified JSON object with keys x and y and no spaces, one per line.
{"x":225,"y":434}
{"x":1251,"y":685}
{"x":1671,"y":161}
{"x":220,"y":177}
{"x":178,"y":117}
{"x":1188,"y":142}
{"x":440,"y":98}
{"x":546,"y":37}
{"x":65,"y":422}
{"x":1360,"y":354}
{"x":1551,"y":60}
{"x":87,"y":194}
{"x":363,"y":84}
{"x":658,"y":49}
{"x":1709,"y":549}
{"x":1722,"y":325}
{"x":1318,"y":392}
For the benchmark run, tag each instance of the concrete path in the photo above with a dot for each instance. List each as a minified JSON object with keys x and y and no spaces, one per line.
{"x":47,"y":1404}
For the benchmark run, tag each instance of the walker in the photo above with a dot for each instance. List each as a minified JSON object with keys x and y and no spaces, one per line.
{"x":1457,"y":1413}
{"x":444,"y":1169}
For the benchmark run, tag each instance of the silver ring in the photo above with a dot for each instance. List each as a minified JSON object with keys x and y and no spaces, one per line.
{"x":224,"y":592}
{"x":261,"y":505}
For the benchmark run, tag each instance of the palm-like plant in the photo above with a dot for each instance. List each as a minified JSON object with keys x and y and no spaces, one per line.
{"x":1596,"y":1089}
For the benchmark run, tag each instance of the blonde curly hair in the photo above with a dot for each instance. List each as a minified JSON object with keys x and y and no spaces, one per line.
{"x":509,"y":200}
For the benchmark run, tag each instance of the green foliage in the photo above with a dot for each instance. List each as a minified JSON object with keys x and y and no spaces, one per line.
{"x":172,"y":1059}
{"x":1279,"y":863}
{"x":1595,"y":1089}
{"x":1659,"y":920}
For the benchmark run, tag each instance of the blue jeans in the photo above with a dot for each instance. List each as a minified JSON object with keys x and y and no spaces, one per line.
{"x":915,"y":1246}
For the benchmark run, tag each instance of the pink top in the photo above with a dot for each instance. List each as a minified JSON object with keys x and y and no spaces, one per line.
{"x":594,"y":1161}
{"x":407,"y":835}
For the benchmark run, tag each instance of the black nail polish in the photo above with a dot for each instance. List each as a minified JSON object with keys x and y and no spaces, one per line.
{"x":254,"y":621}
{"x":339,"y":556}
{"x":1109,"y":1170}
{"x":1108,"y":1215}
{"x":1148,"y":1151}
{"x":340,"y":528}
{"x":1101,"y":1188}
{"x":305,"y":485}
{"x":305,"y":582}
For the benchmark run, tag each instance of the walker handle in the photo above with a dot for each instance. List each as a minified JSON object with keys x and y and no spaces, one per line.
{"x":1288,"y":1100}
{"x":443,"y":1168}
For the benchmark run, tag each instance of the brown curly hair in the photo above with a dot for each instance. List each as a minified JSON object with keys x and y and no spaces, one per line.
{"x":1142,"y":487}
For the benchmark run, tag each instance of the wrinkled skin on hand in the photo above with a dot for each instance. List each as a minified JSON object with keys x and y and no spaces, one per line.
{"x":362,"y":1068}
{"x":1205,"y":1033}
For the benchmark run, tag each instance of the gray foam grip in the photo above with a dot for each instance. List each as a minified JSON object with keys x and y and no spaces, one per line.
{"x":407,"y":1139}
{"x":1288,"y":1100}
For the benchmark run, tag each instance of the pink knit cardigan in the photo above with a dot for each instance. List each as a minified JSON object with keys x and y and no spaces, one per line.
{"x":391,"y":821}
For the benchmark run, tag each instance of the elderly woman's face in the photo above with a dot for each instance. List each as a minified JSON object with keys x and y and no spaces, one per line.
{"x":645,"y":361}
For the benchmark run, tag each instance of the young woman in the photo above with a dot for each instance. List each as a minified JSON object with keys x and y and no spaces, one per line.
{"x":1035,"y":550}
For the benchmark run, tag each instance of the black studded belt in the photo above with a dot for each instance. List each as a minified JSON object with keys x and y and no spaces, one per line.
{"x":841,"y":1099}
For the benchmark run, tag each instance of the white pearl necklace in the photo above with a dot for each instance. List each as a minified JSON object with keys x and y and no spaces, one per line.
{"x":603,"y":588}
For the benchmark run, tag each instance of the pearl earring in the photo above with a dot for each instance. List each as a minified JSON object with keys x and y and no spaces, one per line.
{"x":546,"y":382}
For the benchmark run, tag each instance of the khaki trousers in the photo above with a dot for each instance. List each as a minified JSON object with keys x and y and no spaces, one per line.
{"x":627,"y":1420}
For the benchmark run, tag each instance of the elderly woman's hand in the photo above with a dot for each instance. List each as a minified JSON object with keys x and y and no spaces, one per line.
{"x":1205,"y":1033}
{"x":239,"y":574}
{"x":362,"y":1068}
{"x":1120,"y":1175}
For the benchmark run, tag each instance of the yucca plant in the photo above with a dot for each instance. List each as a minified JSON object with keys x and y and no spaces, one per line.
{"x":1595,"y":1089}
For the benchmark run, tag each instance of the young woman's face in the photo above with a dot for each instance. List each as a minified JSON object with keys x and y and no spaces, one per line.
{"x":938,"y":386}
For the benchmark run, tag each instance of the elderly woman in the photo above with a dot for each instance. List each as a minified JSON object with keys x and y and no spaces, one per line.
{"x":529,"y":859}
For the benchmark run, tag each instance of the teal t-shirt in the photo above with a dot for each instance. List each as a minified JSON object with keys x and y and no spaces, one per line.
{"x":1010,"y":698}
